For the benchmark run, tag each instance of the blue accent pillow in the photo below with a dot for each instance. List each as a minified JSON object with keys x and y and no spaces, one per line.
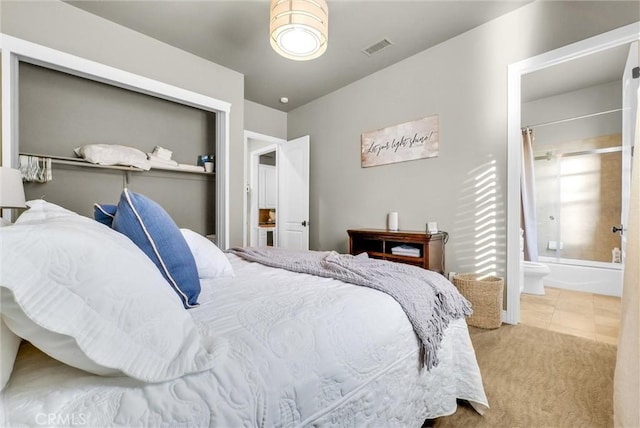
{"x":151,"y":228}
{"x":104,"y":213}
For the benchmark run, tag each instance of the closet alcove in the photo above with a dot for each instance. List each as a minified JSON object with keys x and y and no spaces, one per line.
{"x":59,"y":112}
{"x":53,"y":101}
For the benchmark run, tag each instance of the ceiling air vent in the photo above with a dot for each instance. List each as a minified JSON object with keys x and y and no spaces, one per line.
{"x":377,"y":47}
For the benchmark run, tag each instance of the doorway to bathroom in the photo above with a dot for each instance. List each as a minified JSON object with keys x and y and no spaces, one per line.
{"x":560,"y":60}
{"x":574,"y":127}
{"x":576,"y":164}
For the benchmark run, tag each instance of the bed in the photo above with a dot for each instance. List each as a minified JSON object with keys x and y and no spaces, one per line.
{"x":263,"y":347}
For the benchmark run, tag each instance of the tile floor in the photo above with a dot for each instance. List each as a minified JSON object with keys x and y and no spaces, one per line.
{"x":582,"y":314}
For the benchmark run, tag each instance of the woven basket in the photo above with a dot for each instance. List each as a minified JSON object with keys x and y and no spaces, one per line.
{"x":485,"y":295}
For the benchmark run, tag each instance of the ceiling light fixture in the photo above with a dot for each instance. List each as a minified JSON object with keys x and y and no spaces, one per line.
{"x":299,"y":28}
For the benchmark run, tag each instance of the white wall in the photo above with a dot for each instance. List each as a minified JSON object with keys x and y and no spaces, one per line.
{"x":599,"y":98}
{"x":61,"y":26}
{"x":464,"y":80}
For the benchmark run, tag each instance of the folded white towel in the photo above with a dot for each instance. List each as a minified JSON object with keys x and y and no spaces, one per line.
{"x":162,"y":153}
{"x":188,"y":167}
{"x":406,"y":250}
{"x":159,"y":164}
{"x":156,"y":160}
{"x":403,"y":253}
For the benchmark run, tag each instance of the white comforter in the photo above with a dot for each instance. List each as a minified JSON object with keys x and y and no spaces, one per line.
{"x":292,"y":350}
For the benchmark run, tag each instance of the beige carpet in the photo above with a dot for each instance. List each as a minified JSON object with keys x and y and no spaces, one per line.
{"x":539,"y":378}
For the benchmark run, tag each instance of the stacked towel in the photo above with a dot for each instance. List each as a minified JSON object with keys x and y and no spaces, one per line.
{"x":160,"y":158}
{"x":406,"y":250}
{"x":187,"y":167}
{"x":162,"y":153}
{"x":158,"y":162}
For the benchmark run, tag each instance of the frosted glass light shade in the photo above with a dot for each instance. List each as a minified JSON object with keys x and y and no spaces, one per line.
{"x":299,"y":28}
{"x":11,"y":189}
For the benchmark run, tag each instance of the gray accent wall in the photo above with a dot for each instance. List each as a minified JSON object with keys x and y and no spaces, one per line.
{"x":464,"y":81}
{"x":59,"y":112}
{"x":69,"y":29}
{"x":265,"y":120}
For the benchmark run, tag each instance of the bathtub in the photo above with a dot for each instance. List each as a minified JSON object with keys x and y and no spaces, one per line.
{"x":583,"y":275}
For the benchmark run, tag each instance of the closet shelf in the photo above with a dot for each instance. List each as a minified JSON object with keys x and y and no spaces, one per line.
{"x":65,"y":160}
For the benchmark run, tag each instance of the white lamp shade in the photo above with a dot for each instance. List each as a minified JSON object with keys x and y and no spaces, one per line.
{"x":299,"y":28}
{"x":11,"y":189}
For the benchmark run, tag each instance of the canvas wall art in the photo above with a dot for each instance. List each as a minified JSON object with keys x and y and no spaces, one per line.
{"x":417,"y":139}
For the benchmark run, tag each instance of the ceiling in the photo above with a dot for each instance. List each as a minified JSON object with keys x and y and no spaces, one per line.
{"x":234,"y":34}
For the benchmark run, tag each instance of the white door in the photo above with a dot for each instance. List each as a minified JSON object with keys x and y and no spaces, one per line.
{"x":292,"y":214}
{"x":630,"y":107}
{"x":262,"y":237}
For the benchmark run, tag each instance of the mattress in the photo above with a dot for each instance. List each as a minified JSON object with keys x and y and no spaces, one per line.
{"x":291,"y":350}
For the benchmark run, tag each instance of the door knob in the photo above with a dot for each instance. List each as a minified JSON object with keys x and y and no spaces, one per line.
{"x":615,"y":229}
{"x":305,"y":223}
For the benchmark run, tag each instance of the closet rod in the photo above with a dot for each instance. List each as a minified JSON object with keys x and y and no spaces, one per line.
{"x":539,"y":125}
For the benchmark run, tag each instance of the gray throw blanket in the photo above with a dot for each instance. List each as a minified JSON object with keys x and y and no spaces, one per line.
{"x":430,"y":301}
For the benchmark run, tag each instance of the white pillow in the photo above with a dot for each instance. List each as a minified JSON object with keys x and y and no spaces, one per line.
{"x":40,"y":211}
{"x":89,"y":297}
{"x":113,"y":154}
{"x":210,"y":260}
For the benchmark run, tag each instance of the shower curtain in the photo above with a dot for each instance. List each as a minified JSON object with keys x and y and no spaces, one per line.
{"x":626,"y":383}
{"x":528,"y":198}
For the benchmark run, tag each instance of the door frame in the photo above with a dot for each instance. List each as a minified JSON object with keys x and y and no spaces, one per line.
{"x":617,"y":37}
{"x":629,"y":101}
{"x":15,"y":50}
{"x":248,"y":162}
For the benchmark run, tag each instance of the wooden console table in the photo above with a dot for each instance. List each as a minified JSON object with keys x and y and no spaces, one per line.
{"x":378,"y":243}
